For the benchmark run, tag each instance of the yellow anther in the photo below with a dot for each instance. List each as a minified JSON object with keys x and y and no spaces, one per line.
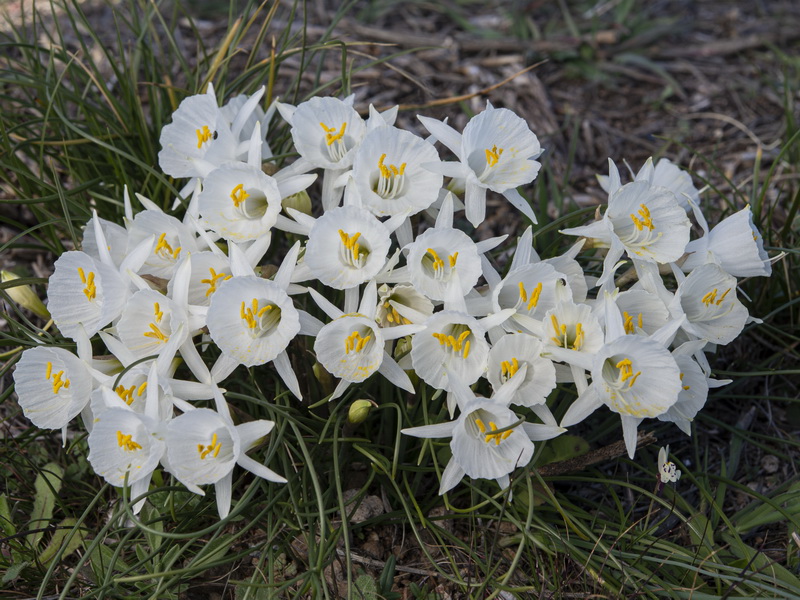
{"x":350,"y":242}
{"x":90,"y":290}
{"x":155,"y":333}
{"x":685,"y":387}
{"x":211,"y":282}
{"x":203,"y":135}
{"x":239,"y":195}
{"x":58,"y":383}
{"x":355,"y":342}
{"x":438,"y":263}
{"x":157,"y":312}
{"x":493,"y":155}
{"x":721,"y":298}
{"x":535,"y":294}
{"x":251,"y":314}
{"x":213,"y":448}
{"x":331,"y":135}
{"x":480,"y":425}
{"x":164,"y":245}
{"x":390,"y":170}
{"x":497,"y":437}
{"x":140,"y":390}
{"x":466,"y":350}
{"x":576,"y":345}
{"x":49,"y":370}
{"x":453,"y":258}
{"x":626,"y":370}
{"x":522,"y":293}
{"x":460,"y":344}
{"x":509,"y":369}
{"x":125,"y":441}
{"x":709,"y":297}
{"x":643,"y":220}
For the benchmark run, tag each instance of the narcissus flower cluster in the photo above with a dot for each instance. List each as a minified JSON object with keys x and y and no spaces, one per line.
{"x":385,"y":284}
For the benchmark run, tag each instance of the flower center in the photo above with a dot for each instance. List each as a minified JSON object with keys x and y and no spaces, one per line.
{"x":493,"y":155}
{"x":626,"y":373}
{"x":493,"y":435}
{"x":213,"y":279}
{"x":213,"y":448}
{"x":164,"y":250}
{"x":125,"y":441}
{"x":391,"y":179}
{"x":90,"y":289}
{"x":260,"y":320}
{"x":351,"y":252}
{"x":393,"y":316}
{"x":127,"y":394}
{"x":570,"y":337}
{"x":435,"y":267}
{"x":335,"y":141}
{"x":459,"y":346}
{"x":58,"y":382}
{"x":508,"y":369}
{"x":203,"y":135}
{"x":643,"y":220}
{"x":628,"y":322}
{"x":354,"y":342}
{"x":155,"y":331}
{"x":529,"y":300}
{"x":641,"y":235}
{"x":711,"y":297}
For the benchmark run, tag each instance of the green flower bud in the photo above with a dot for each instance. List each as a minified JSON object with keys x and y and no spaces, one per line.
{"x":359,"y":411}
{"x":25,"y":296}
{"x":300,"y":201}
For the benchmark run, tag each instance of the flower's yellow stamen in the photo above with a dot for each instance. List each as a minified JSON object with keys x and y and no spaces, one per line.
{"x":331,"y":135}
{"x":388,"y":171}
{"x":523,"y":295}
{"x":203,"y":135}
{"x":709,"y":297}
{"x":157,"y":312}
{"x":155,"y":333}
{"x":91,"y":289}
{"x":355,"y":342}
{"x":213,"y":448}
{"x":211,"y":282}
{"x":535,"y":294}
{"x":480,"y":425}
{"x":466,"y":350}
{"x":721,"y":298}
{"x":576,"y":345}
{"x":493,"y":155}
{"x":253,"y":313}
{"x":643,"y":220}
{"x":453,"y":258}
{"x":509,"y":368}
{"x":163,"y":247}
{"x":493,"y":434}
{"x":58,"y":383}
{"x":685,"y":387}
{"x":125,"y":441}
{"x":626,"y":370}
{"x":458,"y":345}
{"x":49,"y":370}
{"x":438,"y":263}
{"x":353,"y":250}
{"x":239,"y":195}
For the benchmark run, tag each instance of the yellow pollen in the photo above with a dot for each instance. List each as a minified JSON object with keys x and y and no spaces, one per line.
{"x":140,"y":390}
{"x":534,"y":299}
{"x":643,"y":220}
{"x":203,"y":135}
{"x":251,"y":314}
{"x":125,"y":441}
{"x":159,"y":314}
{"x":522,"y":293}
{"x":626,"y":369}
{"x":213,"y":448}
{"x":709,"y":297}
{"x":721,"y":298}
{"x":576,"y":345}
{"x":686,"y":387}
{"x":390,"y":170}
{"x":155,"y":333}
{"x":457,"y":345}
{"x":211,"y":282}
{"x":49,"y":370}
{"x":493,"y":155}
{"x":90,"y":290}
{"x":58,"y":383}
{"x":453,"y":258}
{"x":331,"y":135}
{"x":497,"y":437}
{"x":509,"y":369}
{"x":480,"y":425}
{"x":438,"y":263}
{"x":164,"y":245}
{"x":350,"y":242}
{"x":238,"y":195}
{"x":355,"y":342}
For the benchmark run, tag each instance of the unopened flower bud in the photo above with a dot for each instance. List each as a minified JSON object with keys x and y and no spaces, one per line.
{"x":359,"y":411}
{"x":25,"y":296}
{"x":324,"y":378}
{"x":300,"y":201}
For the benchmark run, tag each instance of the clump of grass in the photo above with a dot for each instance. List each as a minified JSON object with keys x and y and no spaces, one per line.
{"x":81,"y":119}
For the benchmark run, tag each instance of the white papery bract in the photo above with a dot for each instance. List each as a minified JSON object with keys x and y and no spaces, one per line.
{"x":173,"y":240}
{"x":149,"y":321}
{"x":252,"y":319}
{"x":735,"y":244}
{"x":708,"y":299}
{"x":450,"y":339}
{"x":388,"y":172}
{"x":84,"y":292}
{"x":346,"y":246}
{"x":125,"y":444}
{"x":53,"y":386}
{"x":436,"y":256}
{"x":512,"y":352}
{"x":350,"y":347}
{"x":240,"y":202}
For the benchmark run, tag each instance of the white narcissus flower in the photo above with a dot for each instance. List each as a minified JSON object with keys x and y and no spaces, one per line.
{"x":148,"y":323}
{"x":244,"y":114}
{"x":646,"y":222}
{"x":512,"y":352}
{"x":707,"y":297}
{"x":53,"y":386}
{"x":198,"y":139}
{"x":642,"y":311}
{"x":346,"y":246}
{"x":173,"y":239}
{"x":401,"y":305}
{"x":735,"y":244}
{"x":203,"y":446}
{"x":665,"y":174}
{"x":388,"y":173}
{"x":667,"y":471}
{"x":496,"y":152}
{"x":530,"y":291}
